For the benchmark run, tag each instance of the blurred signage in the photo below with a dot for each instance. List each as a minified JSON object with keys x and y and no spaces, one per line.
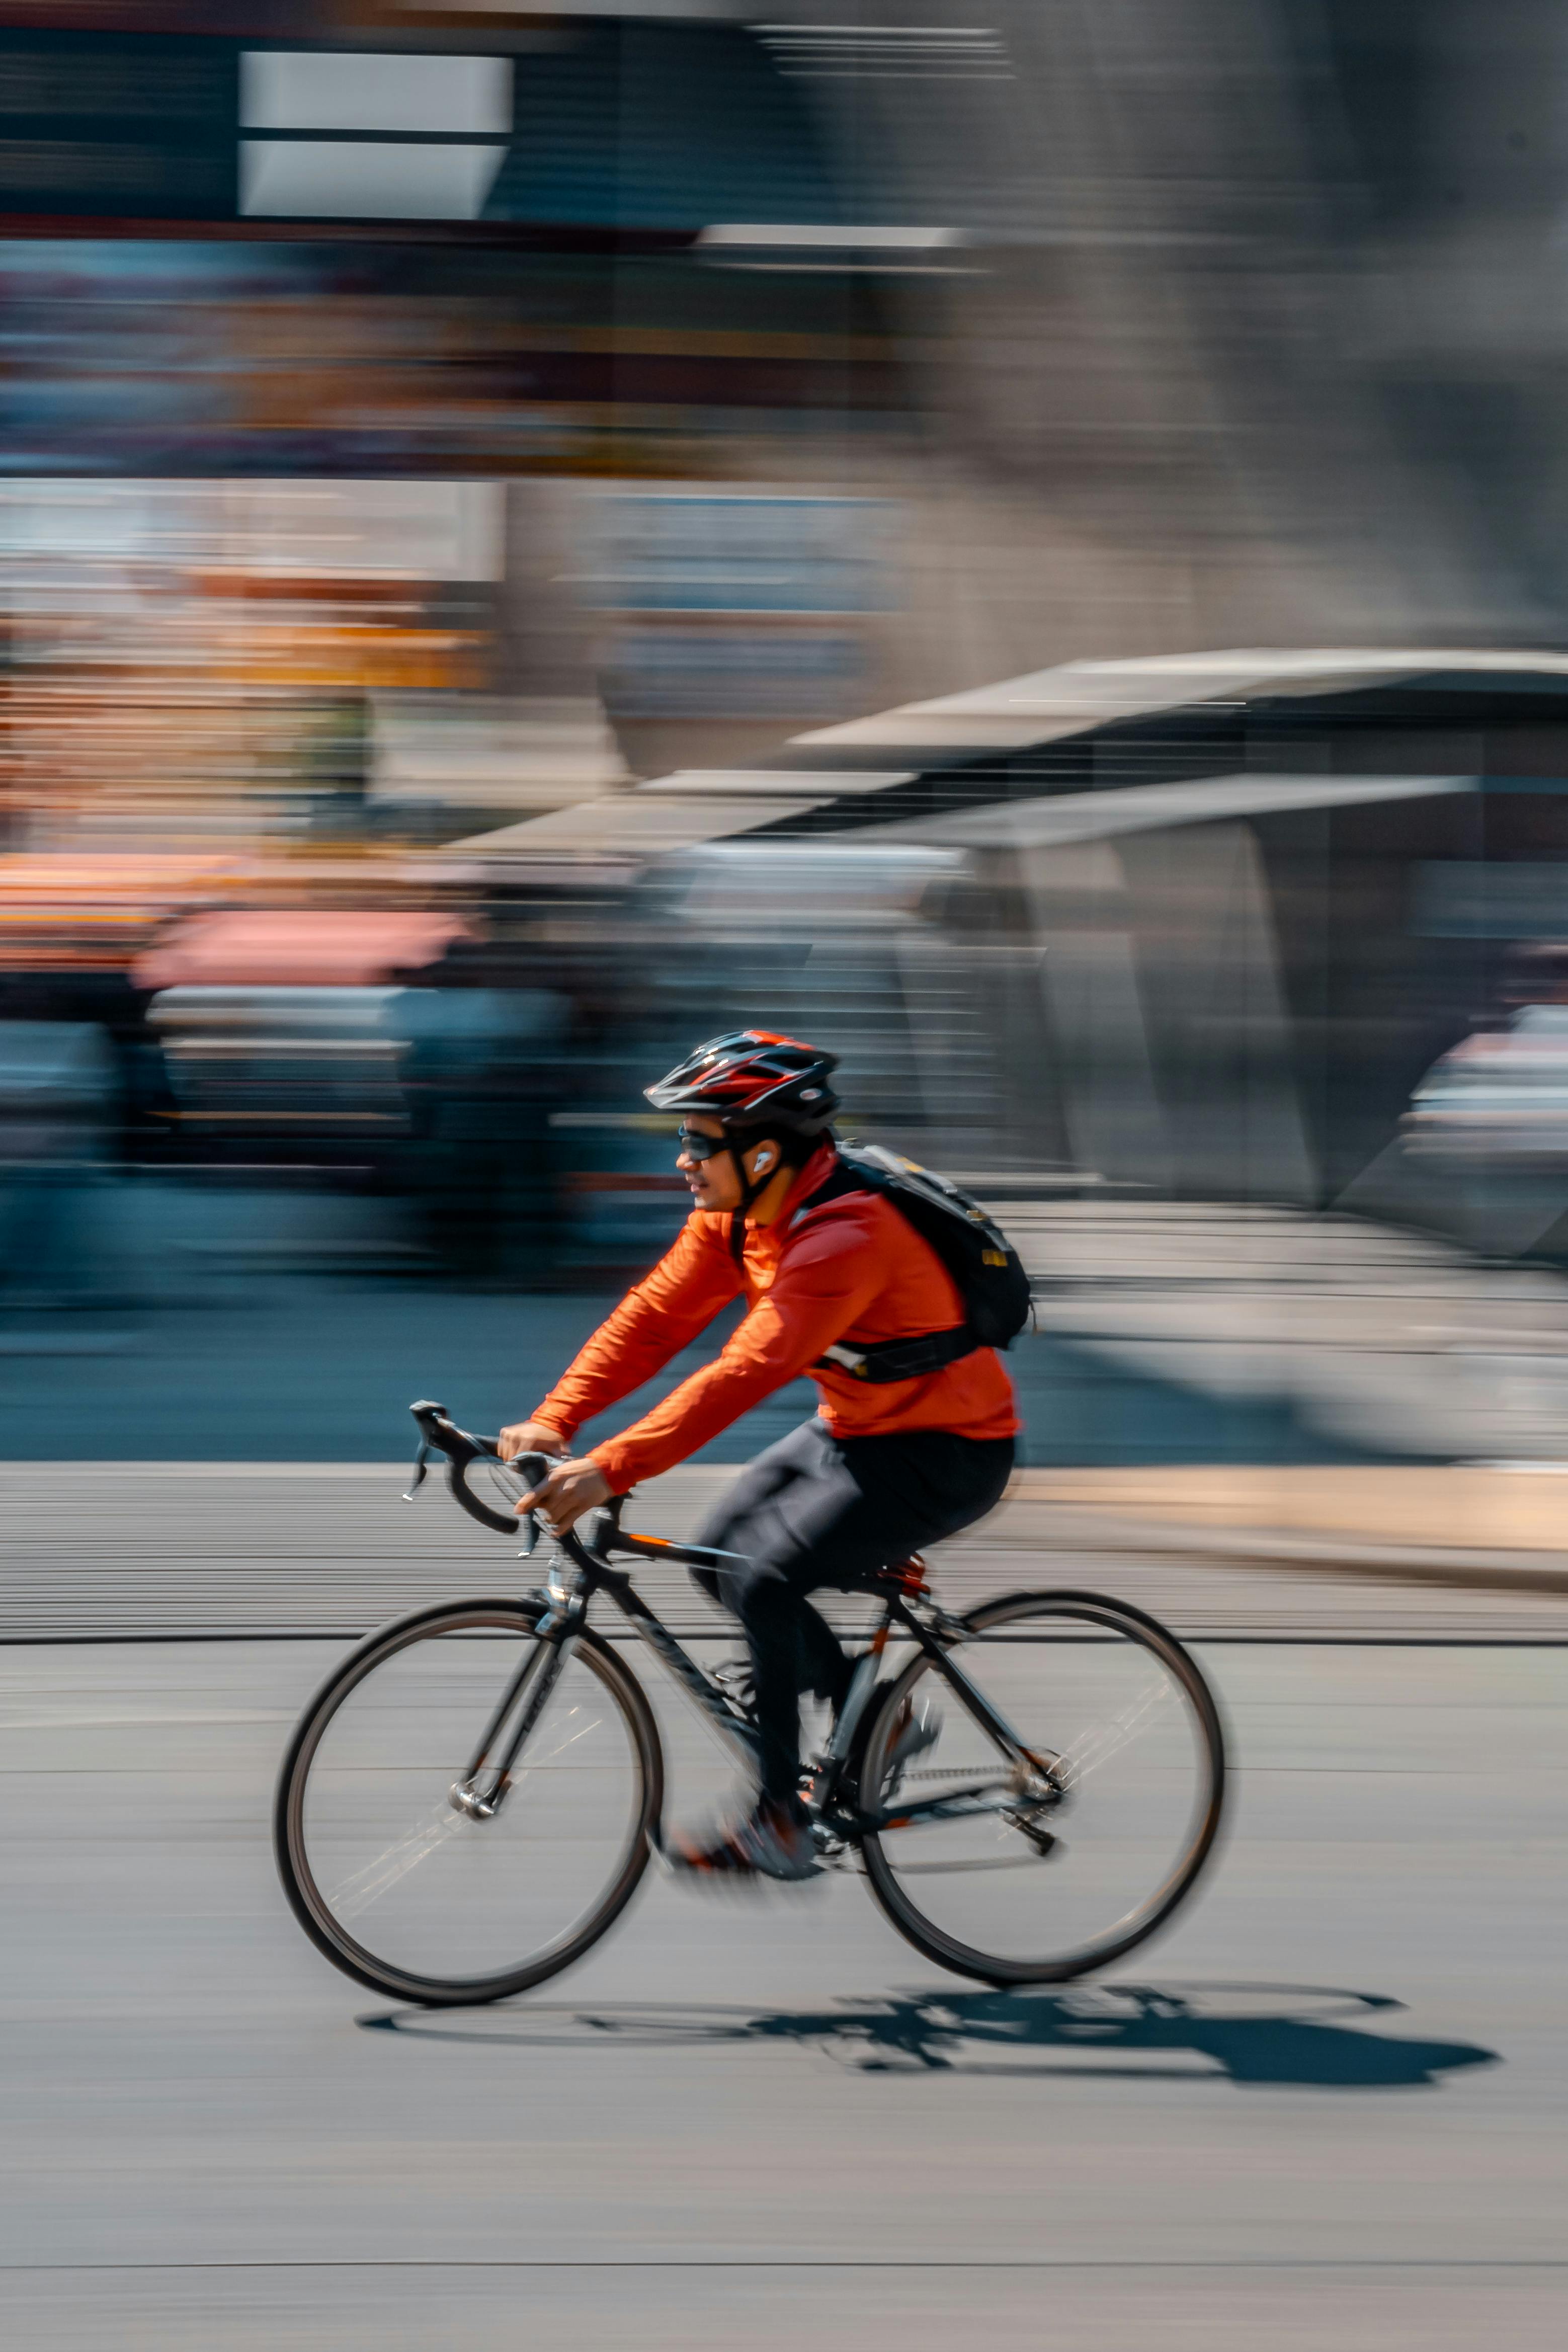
{"x":698,"y":551}
{"x":515,"y":753}
{"x":140,"y":356}
{"x":132,"y":125}
{"x":655,"y":673}
{"x":408,"y":529}
{"x":724,"y":596}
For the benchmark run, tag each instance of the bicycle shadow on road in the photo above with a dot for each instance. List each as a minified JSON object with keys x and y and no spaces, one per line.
{"x":1305,"y":2037}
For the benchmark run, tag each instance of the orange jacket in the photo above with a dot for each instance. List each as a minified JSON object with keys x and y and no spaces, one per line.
{"x":853,"y":1270}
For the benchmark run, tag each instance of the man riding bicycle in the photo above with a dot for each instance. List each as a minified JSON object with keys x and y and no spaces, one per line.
{"x":827,"y":1269}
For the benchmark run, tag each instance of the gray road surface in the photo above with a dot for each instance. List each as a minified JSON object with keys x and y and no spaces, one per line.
{"x":143,"y":1549}
{"x":1329,"y":2109}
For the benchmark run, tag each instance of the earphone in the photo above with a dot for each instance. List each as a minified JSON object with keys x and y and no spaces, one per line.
{"x":763,"y":1163}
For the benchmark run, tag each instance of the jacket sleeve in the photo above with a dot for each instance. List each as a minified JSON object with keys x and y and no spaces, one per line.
{"x":658,"y":1318}
{"x":830,"y":1279}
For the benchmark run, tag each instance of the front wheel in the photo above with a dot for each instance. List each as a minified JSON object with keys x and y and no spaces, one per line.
{"x":413,"y":1892}
{"x":1041,"y":1873}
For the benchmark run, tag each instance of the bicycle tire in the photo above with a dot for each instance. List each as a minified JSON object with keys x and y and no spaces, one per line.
{"x":948,"y":1950}
{"x":311,"y":1908}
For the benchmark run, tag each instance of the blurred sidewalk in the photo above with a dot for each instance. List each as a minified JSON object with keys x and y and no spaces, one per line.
{"x":1364,"y":1338}
{"x":297,"y":1326}
{"x":1503,"y":1525}
{"x":291,"y":1326}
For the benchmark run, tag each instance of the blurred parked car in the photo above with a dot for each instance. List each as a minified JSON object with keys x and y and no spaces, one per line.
{"x":271,"y":1064}
{"x":441,"y":1096}
{"x":59,"y":1110}
{"x":1500,"y":1096}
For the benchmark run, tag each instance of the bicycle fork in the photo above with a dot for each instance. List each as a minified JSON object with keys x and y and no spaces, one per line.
{"x":486,"y":1785}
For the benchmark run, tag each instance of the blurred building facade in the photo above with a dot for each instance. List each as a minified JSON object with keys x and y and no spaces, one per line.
{"x":1144,"y":326}
{"x":560,"y":473}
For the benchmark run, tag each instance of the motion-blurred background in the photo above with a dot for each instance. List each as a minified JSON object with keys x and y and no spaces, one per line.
{"x":1023,"y":543}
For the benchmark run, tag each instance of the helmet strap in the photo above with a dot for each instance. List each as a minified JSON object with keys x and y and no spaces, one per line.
{"x":750,"y":1187}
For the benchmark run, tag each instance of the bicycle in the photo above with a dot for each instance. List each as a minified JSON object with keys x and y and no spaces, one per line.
{"x":485,"y":1777}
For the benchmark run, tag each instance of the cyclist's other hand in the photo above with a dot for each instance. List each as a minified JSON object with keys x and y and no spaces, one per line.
{"x":570,"y":1489}
{"x":530,"y":1437}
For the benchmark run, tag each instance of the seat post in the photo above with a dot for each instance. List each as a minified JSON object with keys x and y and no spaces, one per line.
{"x":862,"y":1684}
{"x":909,"y":1577}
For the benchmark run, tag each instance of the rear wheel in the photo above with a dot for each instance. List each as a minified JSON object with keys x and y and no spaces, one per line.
{"x":1080,"y":1859}
{"x":427,"y":1901}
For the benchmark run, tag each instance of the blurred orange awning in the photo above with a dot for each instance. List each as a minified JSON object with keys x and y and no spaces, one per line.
{"x":295,"y":948}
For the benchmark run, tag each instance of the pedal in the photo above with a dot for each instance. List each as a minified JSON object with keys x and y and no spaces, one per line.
{"x":1044,"y":1842}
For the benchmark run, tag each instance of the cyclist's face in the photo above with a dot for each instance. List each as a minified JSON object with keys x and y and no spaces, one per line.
{"x":714,"y":1182}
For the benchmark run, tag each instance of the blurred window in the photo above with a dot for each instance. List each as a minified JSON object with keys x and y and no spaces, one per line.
{"x":438,"y":173}
{"x":307,"y":90}
{"x":364,"y":180}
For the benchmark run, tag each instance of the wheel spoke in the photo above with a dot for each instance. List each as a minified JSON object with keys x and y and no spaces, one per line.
{"x":356,"y":1893}
{"x":444,"y":1821}
{"x":1093,"y":1747}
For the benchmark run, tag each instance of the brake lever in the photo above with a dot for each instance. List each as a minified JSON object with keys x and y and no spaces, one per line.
{"x":531,"y":1522}
{"x":421,"y":1472}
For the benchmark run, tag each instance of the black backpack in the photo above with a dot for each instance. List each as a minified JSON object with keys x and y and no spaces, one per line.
{"x":978,"y":1255}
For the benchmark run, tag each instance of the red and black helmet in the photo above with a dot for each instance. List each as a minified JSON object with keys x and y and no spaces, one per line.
{"x":753,"y":1077}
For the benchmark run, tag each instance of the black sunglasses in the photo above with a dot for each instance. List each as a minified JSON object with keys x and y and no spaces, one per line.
{"x":700,"y":1147}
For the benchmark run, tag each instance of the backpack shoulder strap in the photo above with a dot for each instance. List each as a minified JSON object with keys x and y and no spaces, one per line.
{"x":842,"y":1178}
{"x":882,"y":1361}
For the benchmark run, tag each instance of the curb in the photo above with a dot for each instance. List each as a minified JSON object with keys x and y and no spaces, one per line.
{"x":1265,"y":1548}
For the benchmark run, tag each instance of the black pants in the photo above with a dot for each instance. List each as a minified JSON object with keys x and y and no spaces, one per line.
{"x":816,"y":1510}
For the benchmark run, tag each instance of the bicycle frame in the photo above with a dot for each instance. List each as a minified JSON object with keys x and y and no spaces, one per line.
{"x":1027,"y":1781}
{"x":592,"y":1573}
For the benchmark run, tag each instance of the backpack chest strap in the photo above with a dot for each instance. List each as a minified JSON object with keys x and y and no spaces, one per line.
{"x":880,"y":1361}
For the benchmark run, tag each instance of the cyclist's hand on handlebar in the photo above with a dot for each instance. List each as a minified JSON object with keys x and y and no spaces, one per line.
{"x":571,"y":1488}
{"x":530,"y":1437}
